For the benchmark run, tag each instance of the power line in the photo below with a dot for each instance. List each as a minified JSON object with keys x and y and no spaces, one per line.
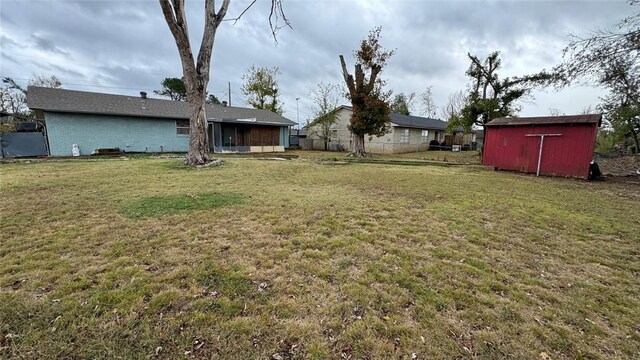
{"x":99,"y":86}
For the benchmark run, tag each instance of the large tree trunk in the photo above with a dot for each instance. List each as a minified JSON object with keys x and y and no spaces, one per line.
{"x":358,"y":146}
{"x":636,"y":140}
{"x":198,"y":132}
{"x":195,"y":73}
{"x":484,"y":137}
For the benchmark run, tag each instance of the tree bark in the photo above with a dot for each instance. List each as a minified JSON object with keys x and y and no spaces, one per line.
{"x":198,"y":133}
{"x":358,"y":146}
{"x":636,"y":140}
{"x":195,"y":74}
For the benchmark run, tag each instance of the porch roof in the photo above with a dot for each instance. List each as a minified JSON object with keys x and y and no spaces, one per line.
{"x":248,"y":121}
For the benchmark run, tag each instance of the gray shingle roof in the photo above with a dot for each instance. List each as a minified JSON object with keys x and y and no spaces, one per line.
{"x":412,"y":121}
{"x":72,"y":101}
{"x":417,"y":122}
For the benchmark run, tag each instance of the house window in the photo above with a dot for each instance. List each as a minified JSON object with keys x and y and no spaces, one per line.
{"x":425,"y":136}
{"x":436,"y":136}
{"x":334,"y":134}
{"x":182,"y":127}
{"x":404,"y":136}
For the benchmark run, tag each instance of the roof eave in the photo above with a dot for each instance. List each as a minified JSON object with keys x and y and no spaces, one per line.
{"x":150,"y":116}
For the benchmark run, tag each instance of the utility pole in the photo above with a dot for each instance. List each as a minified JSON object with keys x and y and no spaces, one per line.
{"x":298,"y":112}
{"x":229,"y":93}
{"x":298,"y":118}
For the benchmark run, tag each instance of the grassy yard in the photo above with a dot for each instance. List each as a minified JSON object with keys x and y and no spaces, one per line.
{"x":144,"y":258}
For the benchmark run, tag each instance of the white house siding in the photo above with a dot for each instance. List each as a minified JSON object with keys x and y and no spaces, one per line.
{"x":341,"y":134}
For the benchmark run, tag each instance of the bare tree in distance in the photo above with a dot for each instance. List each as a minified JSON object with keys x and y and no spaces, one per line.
{"x":326,"y":100}
{"x":555,"y":112}
{"x":455,"y":104}
{"x":196,"y":70}
{"x":13,"y":96}
{"x":428,"y":105}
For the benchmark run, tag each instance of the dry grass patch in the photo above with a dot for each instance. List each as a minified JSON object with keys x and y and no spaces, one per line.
{"x":313,"y":261}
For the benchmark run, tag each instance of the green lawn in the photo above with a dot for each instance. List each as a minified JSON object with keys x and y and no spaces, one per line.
{"x":144,"y":258}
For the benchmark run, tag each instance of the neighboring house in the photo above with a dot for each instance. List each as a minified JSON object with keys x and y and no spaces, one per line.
{"x":406,"y":134}
{"x":550,"y":145}
{"x":480,"y":138}
{"x":140,"y":124}
{"x":295,"y":135}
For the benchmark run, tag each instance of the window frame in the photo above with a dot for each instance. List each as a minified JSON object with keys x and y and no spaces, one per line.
{"x":424,"y":135}
{"x":404,"y":136}
{"x":180,"y":126}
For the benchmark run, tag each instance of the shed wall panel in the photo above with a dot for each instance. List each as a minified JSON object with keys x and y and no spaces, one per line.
{"x":508,"y":147}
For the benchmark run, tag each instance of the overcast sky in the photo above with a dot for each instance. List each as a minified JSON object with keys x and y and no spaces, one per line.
{"x":124,"y":47}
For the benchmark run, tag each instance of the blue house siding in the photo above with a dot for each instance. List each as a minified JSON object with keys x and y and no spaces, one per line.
{"x":131,"y":134}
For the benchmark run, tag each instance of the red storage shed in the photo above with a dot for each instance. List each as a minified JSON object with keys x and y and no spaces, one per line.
{"x":551,"y":145}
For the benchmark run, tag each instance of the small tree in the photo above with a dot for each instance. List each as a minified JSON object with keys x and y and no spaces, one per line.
{"x":195,"y":72}
{"x":173,"y":88}
{"x":402,"y":103}
{"x":369,"y":102}
{"x":261,"y":88}
{"x":325,"y":110}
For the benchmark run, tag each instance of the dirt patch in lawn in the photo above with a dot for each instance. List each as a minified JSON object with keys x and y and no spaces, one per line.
{"x":620,"y":166}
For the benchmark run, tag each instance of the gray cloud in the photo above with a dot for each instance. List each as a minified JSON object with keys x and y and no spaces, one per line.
{"x":125,"y":46}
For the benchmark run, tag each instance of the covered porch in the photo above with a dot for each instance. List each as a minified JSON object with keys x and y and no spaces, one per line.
{"x":237,"y":137}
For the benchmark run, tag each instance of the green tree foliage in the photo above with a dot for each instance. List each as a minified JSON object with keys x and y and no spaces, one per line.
{"x":261,"y":88}
{"x":402,"y":103}
{"x":370,"y":103}
{"x":622,"y":105}
{"x":611,"y":59}
{"x":490,"y":96}
{"x":173,"y":88}
{"x":212,"y":99}
{"x":325,"y":111}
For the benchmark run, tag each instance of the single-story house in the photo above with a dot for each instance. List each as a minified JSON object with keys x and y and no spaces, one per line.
{"x":547,"y":145}
{"x":407,"y":133}
{"x":140,"y":124}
